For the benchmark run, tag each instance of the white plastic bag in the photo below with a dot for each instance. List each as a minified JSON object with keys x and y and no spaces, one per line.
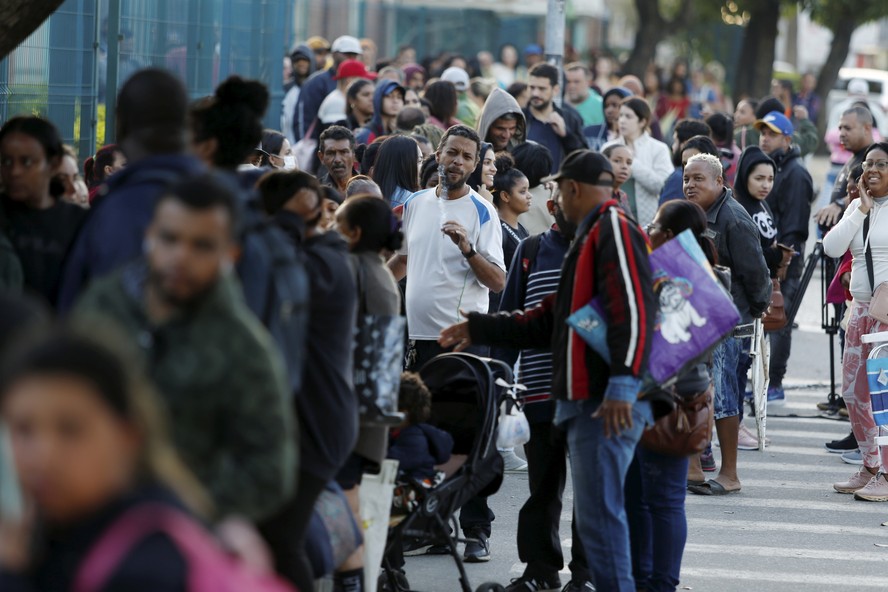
{"x":376,"y":507}
{"x":513,"y":429}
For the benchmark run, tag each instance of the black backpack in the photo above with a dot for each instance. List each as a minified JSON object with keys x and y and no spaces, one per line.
{"x":275,"y":284}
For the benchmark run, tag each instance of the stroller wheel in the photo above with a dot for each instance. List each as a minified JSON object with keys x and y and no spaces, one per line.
{"x":490,"y":587}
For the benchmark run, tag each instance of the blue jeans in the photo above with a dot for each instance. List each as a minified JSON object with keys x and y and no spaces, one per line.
{"x":598,"y":466}
{"x":725,"y":361}
{"x":655,"y":504}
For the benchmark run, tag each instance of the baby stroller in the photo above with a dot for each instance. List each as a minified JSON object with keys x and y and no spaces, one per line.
{"x":465,"y":403}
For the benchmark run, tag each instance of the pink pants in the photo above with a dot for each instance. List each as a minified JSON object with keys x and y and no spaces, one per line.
{"x":855,"y":389}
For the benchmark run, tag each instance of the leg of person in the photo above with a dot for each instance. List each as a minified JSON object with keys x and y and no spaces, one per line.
{"x":855,"y":392}
{"x":598,"y":465}
{"x":581,"y":579}
{"x":727,"y":424}
{"x":285,"y":532}
{"x":349,"y":575}
{"x":475,"y":518}
{"x":639,"y":520}
{"x":781,"y":341}
{"x":539,"y":544}
{"x":664,"y":496}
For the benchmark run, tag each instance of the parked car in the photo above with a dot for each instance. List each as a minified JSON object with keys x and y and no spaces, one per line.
{"x":877,"y":97}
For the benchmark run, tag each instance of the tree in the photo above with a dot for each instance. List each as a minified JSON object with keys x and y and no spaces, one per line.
{"x":656,"y":22}
{"x":753,"y":75}
{"x":842,"y":18}
{"x":20,"y":18}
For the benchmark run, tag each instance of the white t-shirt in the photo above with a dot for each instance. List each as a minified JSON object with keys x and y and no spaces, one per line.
{"x":440,"y":281}
{"x":332,"y":109}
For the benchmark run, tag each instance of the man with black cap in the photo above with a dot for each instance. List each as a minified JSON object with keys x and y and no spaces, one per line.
{"x":321,"y":84}
{"x":790,"y":202}
{"x":597,"y":402}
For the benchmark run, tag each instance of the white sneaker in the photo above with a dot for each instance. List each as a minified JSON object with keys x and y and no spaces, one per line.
{"x":512,"y":463}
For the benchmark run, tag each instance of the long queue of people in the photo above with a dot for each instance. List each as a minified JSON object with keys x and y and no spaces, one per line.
{"x":200,"y":242}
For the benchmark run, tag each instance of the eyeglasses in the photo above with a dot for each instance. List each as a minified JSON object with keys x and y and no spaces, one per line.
{"x":879,"y":165}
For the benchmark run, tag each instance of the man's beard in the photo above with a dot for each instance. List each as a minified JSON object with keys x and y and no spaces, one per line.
{"x":155,"y":281}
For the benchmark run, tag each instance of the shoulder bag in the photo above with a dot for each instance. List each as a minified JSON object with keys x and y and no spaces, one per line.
{"x":686,"y":430}
{"x":775,"y":318}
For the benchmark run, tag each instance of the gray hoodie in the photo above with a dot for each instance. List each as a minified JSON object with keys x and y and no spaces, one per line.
{"x":499,"y":103}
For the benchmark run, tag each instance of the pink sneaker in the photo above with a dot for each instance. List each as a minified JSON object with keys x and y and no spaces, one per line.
{"x":858,"y":481}
{"x":874,"y":491}
{"x":748,"y":440}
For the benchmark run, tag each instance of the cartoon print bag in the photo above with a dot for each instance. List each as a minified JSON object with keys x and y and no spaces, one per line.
{"x":694,"y":311}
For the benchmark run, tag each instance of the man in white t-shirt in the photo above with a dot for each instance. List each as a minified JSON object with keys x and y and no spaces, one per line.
{"x":452,"y":253}
{"x":452,"y":257}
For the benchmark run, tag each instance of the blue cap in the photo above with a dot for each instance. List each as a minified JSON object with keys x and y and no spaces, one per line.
{"x":777,"y":122}
{"x":533,"y":49}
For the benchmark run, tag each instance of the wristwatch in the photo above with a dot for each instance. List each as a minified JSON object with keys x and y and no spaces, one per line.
{"x":472,"y":252}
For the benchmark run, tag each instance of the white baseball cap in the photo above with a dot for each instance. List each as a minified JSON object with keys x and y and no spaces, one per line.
{"x":858,"y":86}
{"x":458,"y":76}
{"x":347,"y":44}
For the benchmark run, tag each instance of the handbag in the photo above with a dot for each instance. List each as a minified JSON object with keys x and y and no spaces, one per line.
{"x":684,"y":431}
{"x":878,"y":308}
{"x":378,"y":360}
{"x":775,"y":318}
{"x":376,"y":505}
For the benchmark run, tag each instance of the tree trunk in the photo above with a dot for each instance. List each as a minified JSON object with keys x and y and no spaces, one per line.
{"x":20,"y":18}
{"x":753,"y":77}
{"x":651,"y":31}
{"x":838,"y":52}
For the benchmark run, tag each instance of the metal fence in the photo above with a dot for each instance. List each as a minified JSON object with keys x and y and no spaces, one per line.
{"x":65,"y":69}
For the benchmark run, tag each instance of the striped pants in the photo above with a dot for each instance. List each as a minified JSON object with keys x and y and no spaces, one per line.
{"x":855,"y":389}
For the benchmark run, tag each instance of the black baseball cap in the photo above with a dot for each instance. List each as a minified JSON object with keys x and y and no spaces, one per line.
{"x":583,"y":166}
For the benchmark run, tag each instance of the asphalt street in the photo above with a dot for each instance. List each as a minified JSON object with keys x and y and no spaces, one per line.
{"x":786,"y":530}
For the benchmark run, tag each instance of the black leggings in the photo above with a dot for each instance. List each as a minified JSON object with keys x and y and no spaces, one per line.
{"x":285,"y":532}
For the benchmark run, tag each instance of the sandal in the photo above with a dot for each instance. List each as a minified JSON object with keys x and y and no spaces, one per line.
{"x":711,"y":487}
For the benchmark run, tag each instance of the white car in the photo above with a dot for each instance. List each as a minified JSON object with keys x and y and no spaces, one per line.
{"x":877,"y":81}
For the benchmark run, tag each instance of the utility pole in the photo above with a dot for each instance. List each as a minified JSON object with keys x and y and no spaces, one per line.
{"x":555,"y":40}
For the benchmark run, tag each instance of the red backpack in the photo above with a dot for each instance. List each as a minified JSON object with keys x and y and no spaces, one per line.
{"x":209,"y":567}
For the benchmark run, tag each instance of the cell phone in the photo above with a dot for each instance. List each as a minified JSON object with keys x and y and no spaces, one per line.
{"x":12,"y":503}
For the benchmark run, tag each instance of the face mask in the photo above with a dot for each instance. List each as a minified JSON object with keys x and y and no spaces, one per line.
{"x":289,"y":163}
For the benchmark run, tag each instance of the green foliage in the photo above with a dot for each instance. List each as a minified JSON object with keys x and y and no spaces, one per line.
{"x":831,"y":12}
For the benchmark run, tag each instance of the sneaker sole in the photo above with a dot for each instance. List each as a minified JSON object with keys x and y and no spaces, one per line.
{"x":870,"y":498}
{"x":852,"y":462}
{"x":483,"y":559}
{"x":741,"y":447}
{"x":846,"y":489}
{"x":838,"y":450}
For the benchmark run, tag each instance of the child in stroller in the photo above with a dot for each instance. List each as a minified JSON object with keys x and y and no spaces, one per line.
{"x":465,"y":397}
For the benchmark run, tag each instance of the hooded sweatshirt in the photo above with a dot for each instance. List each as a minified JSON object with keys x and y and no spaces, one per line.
{"x":597,"y":135}
{"x":375,"y":126}
{"x":756,"y":208}
{"x":500,"y":103}
{"x":288,"y":105}
{"x":790,"y":200}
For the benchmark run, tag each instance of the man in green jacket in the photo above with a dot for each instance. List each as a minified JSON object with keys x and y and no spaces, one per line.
{"x":211,"y":360}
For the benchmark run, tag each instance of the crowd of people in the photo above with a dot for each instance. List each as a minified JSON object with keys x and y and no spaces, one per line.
{"x":151,"y":303}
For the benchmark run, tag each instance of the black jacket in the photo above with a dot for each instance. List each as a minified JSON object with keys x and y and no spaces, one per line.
{"x":153,"y":565}
{"x":790,"y":200}
{"x":418,"y":448}
{"x":327,"y":406}
{"x":573,"y":125}
{"x":739,"y":249}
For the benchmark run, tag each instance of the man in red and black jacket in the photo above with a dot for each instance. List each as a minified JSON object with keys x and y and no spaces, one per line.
{"x":597,"y":401}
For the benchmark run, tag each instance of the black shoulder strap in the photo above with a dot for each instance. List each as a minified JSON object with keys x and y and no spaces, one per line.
{"x":869,"y":253}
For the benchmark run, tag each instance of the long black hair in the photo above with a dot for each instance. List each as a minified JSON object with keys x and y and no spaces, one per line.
{"x":679,"y":215}
{"x":397,"y":165}
{"x":475,"y":179}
